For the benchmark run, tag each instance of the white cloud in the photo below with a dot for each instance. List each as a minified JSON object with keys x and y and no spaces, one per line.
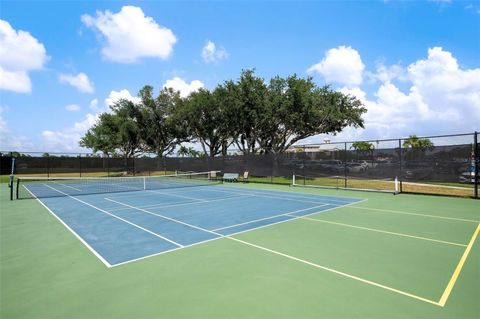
{"x":67,"y":140}
{"x":16,"y":81}
{"x":441,"y":98}
{"x":116,"y":96}
{"x":79,"y":81}
{"x":3,"y":124}
{"x":9,"y":141}
{"x":183,"y":87}
{"x":130,"y":35}
{"x":20,"y":53}
{"x":341,"y":65}
{"x":210,"y":53}
{"x":72,"y":107}
{"x":387,"y":73}
{"x":94,"y":104}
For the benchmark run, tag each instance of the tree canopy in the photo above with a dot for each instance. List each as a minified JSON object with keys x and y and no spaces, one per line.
{"x":254,"y":115}
{"x":362,"y":146}
{"x":418,"y":143}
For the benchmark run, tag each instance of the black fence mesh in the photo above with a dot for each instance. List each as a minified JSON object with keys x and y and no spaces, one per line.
{"x":448,"y":165}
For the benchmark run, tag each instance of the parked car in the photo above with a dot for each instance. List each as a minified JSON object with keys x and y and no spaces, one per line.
{"x":356,"y":167}
{"x":418,"y":170}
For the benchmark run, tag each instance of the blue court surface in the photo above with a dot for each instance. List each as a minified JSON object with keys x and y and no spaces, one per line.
{"x":127,"y":226}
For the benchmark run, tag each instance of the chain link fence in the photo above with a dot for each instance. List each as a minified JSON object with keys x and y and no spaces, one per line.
{"x":446,"y":166}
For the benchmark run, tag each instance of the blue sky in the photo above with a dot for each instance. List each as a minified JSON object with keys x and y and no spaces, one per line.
{"x":415,"y":65}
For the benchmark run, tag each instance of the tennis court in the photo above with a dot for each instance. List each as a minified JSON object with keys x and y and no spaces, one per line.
{"x":196,"y":247}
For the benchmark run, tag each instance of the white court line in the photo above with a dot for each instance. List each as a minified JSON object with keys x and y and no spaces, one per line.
{"x":416,"y":214}
{"x":366,"y":281}
{"x":267,"y":193}
{"x":155,"y":206}
{"x":67,"y":186}
{"x":106,"y":263}
{"x":176,"y":195}
{"x":385,"y":232}
{"x":232,"y":234}
{"x":119,"y":218}
{"x":162,"y":193}
{"x":290,"y":193}
{"x":257,"y":194}
{"x":270,"y":217}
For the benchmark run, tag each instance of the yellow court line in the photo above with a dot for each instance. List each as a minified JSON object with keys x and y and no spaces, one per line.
{"x":456,"y":273}
{"x":385,"y":232}
{"x":366,"y":281}
{"x":415,"y":214}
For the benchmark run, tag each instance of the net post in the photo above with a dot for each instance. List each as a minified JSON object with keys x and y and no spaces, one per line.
{"x":12,"y":177}
{"x":80,"y":163}
{"x":48,"y":165}
{"x":144,"y":183}
{"x":345,"y":166}
{"x":293,"y":179}
{"x":18,"y":187}
{"x":476,"y":159}
{"x":400,"y":162}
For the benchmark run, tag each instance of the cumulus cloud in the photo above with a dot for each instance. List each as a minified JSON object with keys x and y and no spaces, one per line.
{"x":79,"y":81}
{"x":9,"y":141}
{"x":20,"y":53}
{"x":130,"y":35}
{"x":94,"y":104}
{"x":386,"y":73}
{"x":116,"y":96}
{"x":178,"y":84}
{"x":440,"y":97}
{"x":72,"y":107}
{"x":210,"y":53}
{"x":67,"y":140}
{"x":342,"y":65}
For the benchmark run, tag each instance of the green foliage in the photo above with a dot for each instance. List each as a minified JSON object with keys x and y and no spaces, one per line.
{"x":162,"y":126}
{"x":418,"y":143}
{"x":258,"y":117}
{"x":416,"y":147}
{"x":188,"y":151}
{"x":362,"y":146}
{"x":208,"y":121}
{"x":119,"y":130}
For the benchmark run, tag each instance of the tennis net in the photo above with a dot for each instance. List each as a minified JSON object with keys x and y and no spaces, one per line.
{"x":41,"y":187}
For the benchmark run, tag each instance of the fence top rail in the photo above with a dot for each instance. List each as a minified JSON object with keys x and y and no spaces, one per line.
{"x":386,"y":140}
{"x":151,"y":155}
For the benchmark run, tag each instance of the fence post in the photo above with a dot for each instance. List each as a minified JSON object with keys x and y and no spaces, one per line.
{"x":476,"y":158}
{"x":345,"y":166}
{"x":80,"y":163}
{"x":108,"y":165}
{"x":48,"y":165}
{"x":401,"y":164}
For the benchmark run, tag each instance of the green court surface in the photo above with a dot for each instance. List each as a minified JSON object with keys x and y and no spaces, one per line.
{"x":404,"y":256}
